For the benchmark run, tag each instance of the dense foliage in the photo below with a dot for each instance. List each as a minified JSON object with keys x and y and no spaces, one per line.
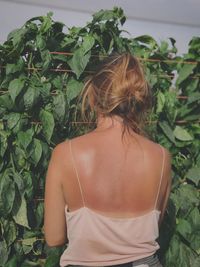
{"x":38,"y":98}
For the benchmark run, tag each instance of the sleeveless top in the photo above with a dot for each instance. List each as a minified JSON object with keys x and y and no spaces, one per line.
{"x":100,"y":240}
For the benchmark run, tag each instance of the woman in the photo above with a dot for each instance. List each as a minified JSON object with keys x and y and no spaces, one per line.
{"x":106,"y":191}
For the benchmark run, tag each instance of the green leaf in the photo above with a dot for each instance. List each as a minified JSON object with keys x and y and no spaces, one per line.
{"x":114,"y":14}
{"x":21,"y":216}
{"x":3,"y":142}
{"x":28,"y":185}
{"x":185,"y":71}
{"x":12,"y":262}
{"x":73,"y":89}
{"x":88,"y":42}
{"x":47,"y":124}
{"x":195,"y":218}
{"x":39,"y":214}
{"x":19,"y":182}
{"x":46,"y":58}
{"x":6,"y":102}
{"x":46,"y":24}
{"x":193,"y":97}
{"x":59,"y":107}
{"x":31,"y":97}
{"x":147,"y":39}
{"x":192,"y":85}
{"x":15,"y":67}
{"x":184,"y":228}
{"x":194,"y":175}
{"x":196,"y":261}
{"x":4,"y":252}
{"x":79,"y":61}
{"x":15,"y":87}
{"x":9,"y":231}
{"x":185,"y":198}
{"x":25,"y":138}
{"x":45,"y":91}
{"x":40,"y":42}
{"x":181,"y":134}
{"x":20,"y":157}
{"x":160,"y":102}
{"x":53,"y":257}
{"x":13,"y":120}
{"x":37,"y":151}
{"x":27,"y":244}
{"x":7,"y":193}
{"x":167,"y":131}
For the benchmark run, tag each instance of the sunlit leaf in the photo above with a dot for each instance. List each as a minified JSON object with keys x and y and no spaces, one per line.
{"x":21,"y":216}
{"x":182,"y":134}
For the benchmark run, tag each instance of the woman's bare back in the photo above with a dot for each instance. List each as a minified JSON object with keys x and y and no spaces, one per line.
{"x":119,"y":178}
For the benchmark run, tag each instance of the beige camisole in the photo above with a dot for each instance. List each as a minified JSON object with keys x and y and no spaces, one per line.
{"x":100,"y":240}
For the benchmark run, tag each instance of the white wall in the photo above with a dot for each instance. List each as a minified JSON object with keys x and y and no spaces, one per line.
{"x":14,"y":15}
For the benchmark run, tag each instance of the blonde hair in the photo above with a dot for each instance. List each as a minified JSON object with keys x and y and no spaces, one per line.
{"x":118,"y":87}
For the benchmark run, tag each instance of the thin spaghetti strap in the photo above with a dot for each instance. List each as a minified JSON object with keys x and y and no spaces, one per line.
{"x":161,"y":176}
{"x":74,"y":166}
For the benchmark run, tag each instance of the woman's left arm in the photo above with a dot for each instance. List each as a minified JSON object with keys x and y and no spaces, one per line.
{"x":54,"y":204}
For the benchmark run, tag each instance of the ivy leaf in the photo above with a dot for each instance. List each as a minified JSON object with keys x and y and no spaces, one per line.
{"x":59,"y":105}
{"x":184,"y":228}
{"x":37,"y":151}
{"x":103,"y":15}
{"x":185,"y":71}
{"x":73,"y":89}
{"x":147,"y":39}
{"x":192,"y":85}
{"x":12,"y":262}
{"x":47,"y":123}
{"x":193,"y":97}
{"x":53,"y":257}
{"x":7,"y":194}
{"x":46,"y":58}
{"x":40,"y":42}
{"x":194,"y":175}
{"x":15,"y":87}
{"x":181,"y":134}
{"x":13,"y":120}
{"x":39,"y":214}
{"x":28,"y":185}
{"x":114,"y":14}
{"x":4,"y":252}
{"x":167,"y":131}
{"x":3,"y":142}
{"x":79,"y":61}
{"x":46,"y":24}
{"x":15,"y":67}
{"x":21,"y":216}
{"x":27,"y":244}
{"x":194,"y":218}
{"x":30,"y":97}
{"x":25,"y":138}
{"x":9,"y":231}
{"x":45,"y":91}
{"x":88,"y":42}
{"x":160,"y":102}
{"x":6,"y":102}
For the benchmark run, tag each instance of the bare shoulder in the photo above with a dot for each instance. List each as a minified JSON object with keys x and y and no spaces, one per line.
{"x":157,"y":149}
{"x":156,"y":146}
{"x":60,"y":149}
{"x":60,"y":153}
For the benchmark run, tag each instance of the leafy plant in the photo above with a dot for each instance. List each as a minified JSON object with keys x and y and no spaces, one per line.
{"x":42,"y":73}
